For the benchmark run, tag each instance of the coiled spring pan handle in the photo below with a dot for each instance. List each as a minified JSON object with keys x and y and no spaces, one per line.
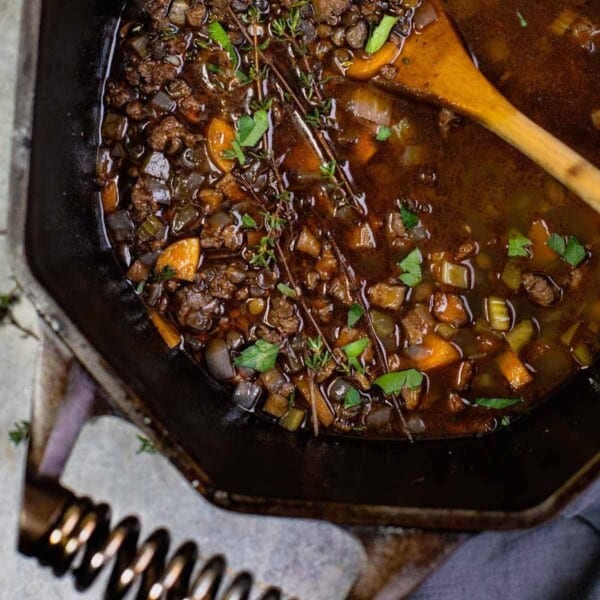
{"x":82,"y":541}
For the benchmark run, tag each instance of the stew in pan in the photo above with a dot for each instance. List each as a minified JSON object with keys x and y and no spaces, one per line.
{"x":347,"y":259}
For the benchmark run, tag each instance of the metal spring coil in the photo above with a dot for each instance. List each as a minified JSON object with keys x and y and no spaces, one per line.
{"x":84,"y":529}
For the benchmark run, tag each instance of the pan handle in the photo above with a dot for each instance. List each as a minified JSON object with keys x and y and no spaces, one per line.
{"x":72,"y":534}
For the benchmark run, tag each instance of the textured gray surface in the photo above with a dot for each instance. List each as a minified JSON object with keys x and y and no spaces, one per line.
{"x":307,"y":558}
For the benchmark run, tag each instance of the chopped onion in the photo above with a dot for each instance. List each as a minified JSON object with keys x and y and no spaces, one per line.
{"x":218,"y":359}
{"x":177,"y":12}
{"x":379,"y":417}
{"x":415,"y":424}
{"x":246,"y":395}
{"x":424,"y":15}
{"x":163,"y":101}
{"x":140,"y":45}
{"x":371,"y":104}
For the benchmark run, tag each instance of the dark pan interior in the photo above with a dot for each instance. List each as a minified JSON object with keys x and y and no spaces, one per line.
{"x":507,"y":471}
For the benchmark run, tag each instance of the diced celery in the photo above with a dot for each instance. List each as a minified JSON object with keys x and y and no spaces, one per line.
{"x":149,"y":228}
{"x":511,"y":276}
{"x":498,"y":314}
{"x":520,"y":336}
{"x":582,"y":354}
{"x":567,"y":337}
{"x":293,"y":418}
{"x":455,"y":275}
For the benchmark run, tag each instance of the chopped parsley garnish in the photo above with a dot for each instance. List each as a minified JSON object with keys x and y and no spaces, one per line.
{"x":146,"y":446}
{"x":352,"y":398}
{"x":518,"y":244}
{"x":497,"y":403}
{"x":249,"y":131}
{"x":166,"y":273}
{"x":383,"y":133}
{"x":19,"y":433}
{"x":505,"y":421}
{"x":393,"y":383}
{"x":355,"y":314}
{"x":411,"y":265}
{"x":569,"y":249}
{"x":261,"y":356}
{"x":248,"y":222}
{"x":218,"y":34}
{"x":409,"y":219}
{"x":353,"y":350}
{"x":286,"y":290}
{"x":522,"y":22}
{"x":379,"y":36}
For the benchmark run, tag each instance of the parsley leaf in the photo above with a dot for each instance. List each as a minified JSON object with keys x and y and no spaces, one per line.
{"x":380,"y":34}
{"x":352,"y":398}
{"x":218,"y":34}
{"x":522,"y":21}
{"x":261,"y":356}
{"x":497,"y":403}
{"x":570,"y":250}
{"x":505,"y":421}
{"x":146,"y":446}
{"x":393,"y":383}
{"x":20,"y":433}
{"x":355,"y":314}
{"x":251,"y":129}
{"x":411,"y":265}
{"x":353,"y":350}
{"x":166,"y":273}
{"x":286,"y":290}
{"x":574,"y":252}
{"x":383,"y":133}
{"x":248,"y":222}
{"x":518,"y":244}
{"x":409,"y":219}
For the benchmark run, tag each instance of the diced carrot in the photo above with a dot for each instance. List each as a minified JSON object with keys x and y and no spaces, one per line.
{"x":302,"y":157}
{"x":438,"y":353}
{"x":181,"y":256}
{"x":110,"y":196}
{"x":542,"y":254}
{"x":219,"y":138}
{"x":311,"y":392}
{"x":365,"y":68}
{"x":364,"y":147}
{"x":514,"y":371}
{"x":167,"y":330}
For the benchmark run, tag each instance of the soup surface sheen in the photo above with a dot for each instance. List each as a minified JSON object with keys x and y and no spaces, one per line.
{"x":343,"y":258}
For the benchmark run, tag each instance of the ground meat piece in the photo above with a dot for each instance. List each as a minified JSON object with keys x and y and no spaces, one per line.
{"x":154,"y":75}
{"x":356,"y":36}
{"x":195,"y":308}
{"x":196,"y":15}
{"x":389,"y":72}
{"x":166,"y":136}
{"x":232,"y":237}
{"x":575,"y":278}
{"x":340,"y":289}
{"x":417,"y":324}
{"x":219,"y":284}
{"x":395,"y":230}
{"x":157,"y":8}
{"x":455,"y":403}
{"x":326,"y":9}
{"x":464,"y":375}
{"x":450,"y":308}
{"x":282,"y":316}
{"x":142,"y":200}
{"x":138,"y":111}
{"x":540,"y":290}
{"x":118,"y":94}
{"x":327,"y":264}
{"x":465,"y":250}
{"x":411,"y":397}
{"x":387,"y":296}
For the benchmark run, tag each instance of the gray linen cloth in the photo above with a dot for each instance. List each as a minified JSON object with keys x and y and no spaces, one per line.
{"x":559,"y":560}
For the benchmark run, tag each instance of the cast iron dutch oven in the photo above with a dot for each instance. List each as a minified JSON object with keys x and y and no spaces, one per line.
{"x":511,"y":478}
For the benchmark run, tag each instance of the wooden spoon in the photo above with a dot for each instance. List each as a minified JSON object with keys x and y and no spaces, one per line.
{"x":435,"y":66}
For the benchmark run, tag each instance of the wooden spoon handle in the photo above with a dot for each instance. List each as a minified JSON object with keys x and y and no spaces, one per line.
{"x":571,"y":169}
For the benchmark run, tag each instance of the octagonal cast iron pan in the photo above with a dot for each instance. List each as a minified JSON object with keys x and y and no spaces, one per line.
{"x":512,"y":478}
